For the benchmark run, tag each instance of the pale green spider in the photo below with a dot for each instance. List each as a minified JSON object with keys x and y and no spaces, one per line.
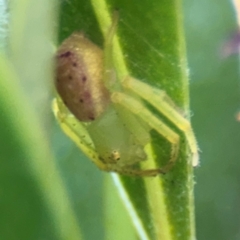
{"x":109,"y":120}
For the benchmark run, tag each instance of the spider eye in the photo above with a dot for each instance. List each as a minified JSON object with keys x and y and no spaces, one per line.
{"x":115,"y":156}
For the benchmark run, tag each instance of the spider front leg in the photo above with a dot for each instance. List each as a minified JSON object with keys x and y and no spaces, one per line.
{"x":159,"y":100}
{"x":78,"y":133}
{"x":137,"y":107}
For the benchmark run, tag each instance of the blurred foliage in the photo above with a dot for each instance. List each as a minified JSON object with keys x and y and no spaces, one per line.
{"x":215,"y":101}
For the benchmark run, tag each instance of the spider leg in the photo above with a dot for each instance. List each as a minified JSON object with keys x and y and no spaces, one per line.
{"x":77,"y":132}
{"x":160,"y":100}
{"x":140,"y":110}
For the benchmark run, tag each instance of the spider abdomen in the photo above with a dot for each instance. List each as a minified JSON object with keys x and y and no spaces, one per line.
{"x":79,"y":77}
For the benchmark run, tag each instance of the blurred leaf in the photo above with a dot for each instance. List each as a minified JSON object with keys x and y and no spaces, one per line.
{"x":4,"y":18}
{"x":34,"y":202}
{"x":215,"y":102}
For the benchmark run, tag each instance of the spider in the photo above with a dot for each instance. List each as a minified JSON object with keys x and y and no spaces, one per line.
{"x":106,"y":116}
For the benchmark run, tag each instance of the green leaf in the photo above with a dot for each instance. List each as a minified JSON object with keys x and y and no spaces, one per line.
{"x":151,"y":48}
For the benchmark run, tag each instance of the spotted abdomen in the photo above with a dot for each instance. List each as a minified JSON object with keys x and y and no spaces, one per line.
{"x":79,"y":77}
